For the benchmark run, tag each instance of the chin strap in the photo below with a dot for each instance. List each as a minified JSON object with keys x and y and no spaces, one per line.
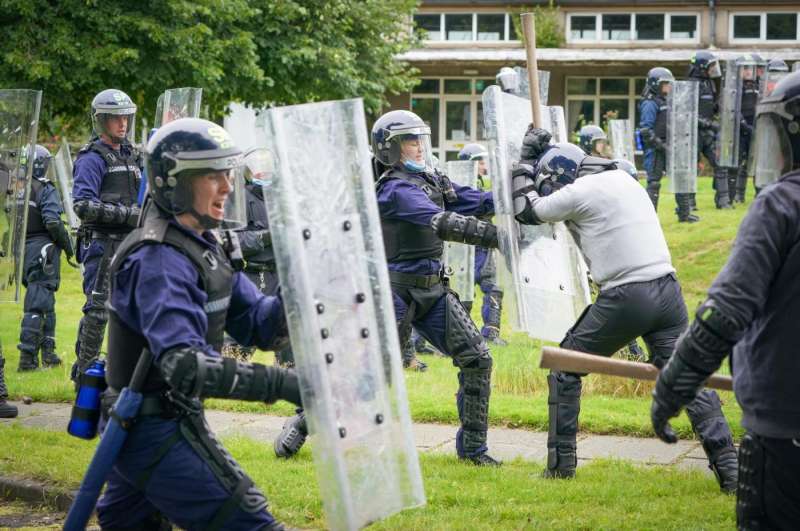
{"x":205,"y":221}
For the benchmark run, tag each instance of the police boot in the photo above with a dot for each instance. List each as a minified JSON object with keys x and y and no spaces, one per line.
{"x":7,"y":411}
{"x":472,"y":400}
{"x":292,"y":436}
{"x":741,"y":185}
{"x":410,"y":360}
{"x":732,"y":184}
{"x":653,"y":190}
{"x":694,"y":202}
{"x":684,"y":209}
{"x":491,"y":329}
{"x":30,"y":337}
{"x":564,"y":401}
{"x":710,"y":426}
{"x":49,"y":357}
{"x":721,"y":198}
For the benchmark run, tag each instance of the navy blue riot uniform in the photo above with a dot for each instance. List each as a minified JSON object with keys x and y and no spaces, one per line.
{"x":750,"y":317}
{"x":45,"y":238}
{"x":737,"y":177}
{"x":106,"y":178}
{"x":174,"y":292}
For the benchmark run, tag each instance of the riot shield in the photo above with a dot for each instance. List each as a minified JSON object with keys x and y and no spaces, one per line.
{"x":730,"y":115}
{"x":682,"y":104}
{"x":768,"y":83}
{"x":19,"y":119}
{"x":338,"y":303}
{"x":620,"y":133}
{"x":542,"y":272}
{"x":524,"y":89}
{"x":796,"y":67}
{"x":62,"y":168}
{"x":459,"y":258}
{"x":178,"y":103}
{"x":240,"y":123}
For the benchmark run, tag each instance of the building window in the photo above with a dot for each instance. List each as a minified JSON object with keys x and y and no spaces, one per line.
{"x":452,"y":108}
{"x":770,"y":27}
{"x":491,"y":27}
{"x":596,"y":100}
{"x":631,"y":27}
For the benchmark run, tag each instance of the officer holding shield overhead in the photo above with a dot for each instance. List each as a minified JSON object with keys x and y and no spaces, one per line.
{"x":173,"y":295}
{"x":419,"y":209}
{"x":106,"y":184}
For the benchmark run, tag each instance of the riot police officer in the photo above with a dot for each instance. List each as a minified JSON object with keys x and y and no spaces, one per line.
{"x":619,"y":234}
{"x":106,"y":184}
{"x":485,"y":261}
{"x":704,"y":68}
{"x":751,"y":314}
{"x":593,"y":140}
{"x":737,"y":177}
{"x":46,"y":236}
{"x":653,"y":128}
{"x":173,"y":294}
{"x":419,"y":209}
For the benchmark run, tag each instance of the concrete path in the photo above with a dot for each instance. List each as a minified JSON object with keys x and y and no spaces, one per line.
{"x":505,"y":444}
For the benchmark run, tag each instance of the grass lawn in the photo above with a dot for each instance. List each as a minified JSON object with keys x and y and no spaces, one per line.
{"x":606,"y":494}
{"x":519,"y":396}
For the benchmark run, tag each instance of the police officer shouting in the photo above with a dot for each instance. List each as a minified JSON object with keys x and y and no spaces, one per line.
{"x":751,"y":311}
{"x":106,"y":184}
{"x":174,"y":293}
{"x":620,"y":236}
{"x":45,"y":238}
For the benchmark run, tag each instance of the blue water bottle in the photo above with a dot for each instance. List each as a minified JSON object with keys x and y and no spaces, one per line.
{"x":86,"y":411}
{"x":638,"y":136}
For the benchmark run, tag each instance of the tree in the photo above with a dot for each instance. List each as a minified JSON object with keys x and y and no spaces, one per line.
{"x":257,"y":51}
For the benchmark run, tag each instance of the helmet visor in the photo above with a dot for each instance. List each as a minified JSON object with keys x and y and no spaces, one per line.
{"x":258,"y":165}
{"x":416,"y":153}
{"x":714,"y":71}
{"x":119,"y":125}
{"x":773,"y":150}
{"x":236,"y":202}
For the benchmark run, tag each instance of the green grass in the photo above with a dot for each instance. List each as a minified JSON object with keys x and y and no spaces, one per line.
{"x":519,"y":399}
{"x":606,"y":494}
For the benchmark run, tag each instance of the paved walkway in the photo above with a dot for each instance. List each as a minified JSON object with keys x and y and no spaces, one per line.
{"x":505,"y":444}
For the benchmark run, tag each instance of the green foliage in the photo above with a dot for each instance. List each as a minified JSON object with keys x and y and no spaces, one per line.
{"x":549,"y":33}
{"x":256,"y":51}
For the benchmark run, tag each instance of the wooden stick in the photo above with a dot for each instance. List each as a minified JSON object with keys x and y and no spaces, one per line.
{"x":561,"y":359}
{"x":529,"y":29}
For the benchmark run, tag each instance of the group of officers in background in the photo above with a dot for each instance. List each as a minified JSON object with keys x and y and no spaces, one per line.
{"x":420,"y":209}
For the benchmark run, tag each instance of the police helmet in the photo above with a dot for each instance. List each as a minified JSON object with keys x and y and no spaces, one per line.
{"x":704,"y":64}
{"x":777,"y":65}
{"x":508,"y":79}
{"x":182,"y":150}
{"x":391,"y":130}
{"x":559,"y":166}
{"x":777,"y":136}
{"x":588,"y":135}
{"x":109,"y":103}
{"x":473,"y":152}
{"x":41,"y":162}
{"x":655,"y":78}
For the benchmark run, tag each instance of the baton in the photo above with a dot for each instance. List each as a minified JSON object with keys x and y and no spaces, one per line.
{"x":560,"y":359}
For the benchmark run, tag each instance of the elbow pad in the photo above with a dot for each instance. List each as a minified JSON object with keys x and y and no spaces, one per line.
{"x":453,"y":227}
{"x":106,"y":213}
{"x":195,"y":374}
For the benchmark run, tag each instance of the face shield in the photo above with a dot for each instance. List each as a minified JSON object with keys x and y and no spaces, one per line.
{"x":118,"y":124}
{"x":259,"y":166}
{"x":665,"y":86}
{"x":714,"y":71}
{"x":773,"y":148}
{"x":236,"y":203}
{"x":508,"y":80}
{"x":414,"y":150}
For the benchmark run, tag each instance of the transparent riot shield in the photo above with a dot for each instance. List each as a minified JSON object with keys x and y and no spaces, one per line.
{"x":541,"y":271}
{"x":178,"y":103}
{"x":796,"y":67}
{"x":19,"y":118}
{"x":682,"y":104}
{"x":459,"y":258}
{"x":620,"y":133}
{"x":524,"y":89}
{"x":62,"y":169}
{"x":240,"y":123}
{"x":730,"y":115}
{"x":338,"y":303}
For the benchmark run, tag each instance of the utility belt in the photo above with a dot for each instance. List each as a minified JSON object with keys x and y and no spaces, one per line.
{"x":153,"y":404}
{"x":263,"y":267}
{"x":410,"y":280}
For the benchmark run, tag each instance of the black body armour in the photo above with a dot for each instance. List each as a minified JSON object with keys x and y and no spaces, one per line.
{"x":409,"y":241}
{"x":749,"y":101}
{"x":120,"y":185}
{"x":257,"y":220}
{"x":660,"y":127}
{"x":35,"y":222}
{"x":216,"y":276}
{"x":707,"y":106}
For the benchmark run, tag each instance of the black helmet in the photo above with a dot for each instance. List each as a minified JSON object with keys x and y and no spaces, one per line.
{"x":41,"y":162}
{"x":655,"y":78}
{"x":391,"y":129}
{"x":112,"y":102}
{"x":704,"y":64}
{"x":472,"y":152}
{"x":777,"y":65}
{"x":777,"y":137}
{"x":558,"y":167}
{"x":588,"y":135}
{"x":183,"y":149}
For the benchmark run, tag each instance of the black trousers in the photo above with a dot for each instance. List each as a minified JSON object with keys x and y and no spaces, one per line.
{"x":768,"y":496}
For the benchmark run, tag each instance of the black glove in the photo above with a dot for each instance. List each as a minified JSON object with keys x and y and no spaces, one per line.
{"x":534,"y":143}
{"x":133,"y":216}
{"x":59,"y":234}
{"x":524,"y":183}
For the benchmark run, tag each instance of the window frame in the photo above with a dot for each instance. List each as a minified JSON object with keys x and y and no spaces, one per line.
{"x":762,"y":39}
{"x":507,"y":26}
{"x":631,"y":97}
{"x":634,"y":37}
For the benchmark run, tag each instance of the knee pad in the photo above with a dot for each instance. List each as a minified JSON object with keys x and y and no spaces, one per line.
{"x":463,"y":341}
{"x":564,"y":401}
